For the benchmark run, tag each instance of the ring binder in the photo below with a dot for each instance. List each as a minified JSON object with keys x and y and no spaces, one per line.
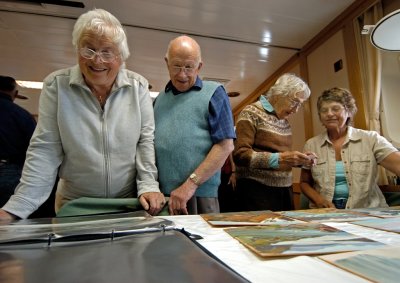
{"x":147,"y":247}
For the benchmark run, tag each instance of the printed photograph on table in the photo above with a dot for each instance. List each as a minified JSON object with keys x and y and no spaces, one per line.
{"x":263,"y":217}
{"x":381,"y":212}
{"x":299,"y":239}
{"x":379,"y":265}
{"x":385,"y":224}
{"x":325,"y":215}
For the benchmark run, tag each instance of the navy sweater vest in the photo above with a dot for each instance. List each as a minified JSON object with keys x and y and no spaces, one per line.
{"x":182,"y":138}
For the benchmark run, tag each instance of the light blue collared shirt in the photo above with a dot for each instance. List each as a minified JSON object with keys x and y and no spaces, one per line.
{"x":266,"y":105}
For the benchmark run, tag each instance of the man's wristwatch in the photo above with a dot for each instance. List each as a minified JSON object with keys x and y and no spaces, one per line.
{"x":195,"y":179}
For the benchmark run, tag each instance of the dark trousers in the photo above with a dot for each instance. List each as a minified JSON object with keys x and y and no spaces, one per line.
{"x":9,"y":178}
{"x":340,"y":203}
{"x":227,"y":196}
{"x":198,"y":205}
{"x":256,"y":196}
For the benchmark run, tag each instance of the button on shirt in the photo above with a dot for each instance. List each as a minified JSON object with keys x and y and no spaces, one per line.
{"x":361,"y":153}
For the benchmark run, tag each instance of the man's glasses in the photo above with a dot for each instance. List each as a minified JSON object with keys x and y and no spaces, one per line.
{"x":187,"y":70}
{"x":334,"y":109}
{"x":105,"y":56}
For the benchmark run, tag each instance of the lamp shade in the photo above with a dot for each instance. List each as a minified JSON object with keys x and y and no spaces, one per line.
{"x":386,"y":33}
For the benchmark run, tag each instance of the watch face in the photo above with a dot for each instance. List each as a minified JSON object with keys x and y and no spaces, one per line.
{"x":194,"y":178}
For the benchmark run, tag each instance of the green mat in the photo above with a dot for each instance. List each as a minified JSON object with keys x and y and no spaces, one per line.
{"x":92,"y":206}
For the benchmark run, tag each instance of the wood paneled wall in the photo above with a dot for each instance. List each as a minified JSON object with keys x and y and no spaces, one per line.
{"x":343,"y":22}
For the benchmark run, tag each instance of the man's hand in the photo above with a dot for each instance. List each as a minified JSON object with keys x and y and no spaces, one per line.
{"x":152,"y":202}
{"x":179,"y":198}
{"x":6,"y":217}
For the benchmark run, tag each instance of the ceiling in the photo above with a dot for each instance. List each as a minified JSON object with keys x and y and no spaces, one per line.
{"x":243,"y":42}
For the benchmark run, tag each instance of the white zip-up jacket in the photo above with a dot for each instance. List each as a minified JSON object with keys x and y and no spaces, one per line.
{"x":99,"y":153}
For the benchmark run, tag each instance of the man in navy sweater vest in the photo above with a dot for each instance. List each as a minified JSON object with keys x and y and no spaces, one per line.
{"x":194,"y":132}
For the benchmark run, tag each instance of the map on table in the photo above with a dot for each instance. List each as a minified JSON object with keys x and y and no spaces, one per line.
{"x":378,"y":265}
{"x":299,"y":239}
{"x":247,"y":218}
{"x":385,"y":224}
{"x":325,"y":215}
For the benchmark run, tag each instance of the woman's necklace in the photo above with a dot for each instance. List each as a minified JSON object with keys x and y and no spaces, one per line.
{"x":100,"y":95}
{"x":101,"y":99}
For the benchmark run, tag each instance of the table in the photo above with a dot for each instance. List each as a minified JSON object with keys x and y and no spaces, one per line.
{"x":296,"y":269}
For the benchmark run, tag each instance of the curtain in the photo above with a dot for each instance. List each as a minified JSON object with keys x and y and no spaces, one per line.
{"x":371,"y":69}
{"x":371,"y":66}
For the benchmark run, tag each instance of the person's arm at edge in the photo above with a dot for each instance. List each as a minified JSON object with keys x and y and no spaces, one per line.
{"x":392,"y":162}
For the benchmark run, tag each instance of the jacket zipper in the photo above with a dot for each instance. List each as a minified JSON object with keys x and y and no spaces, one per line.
{"x":105,"y":154}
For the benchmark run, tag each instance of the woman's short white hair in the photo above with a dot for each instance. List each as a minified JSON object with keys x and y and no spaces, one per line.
{"x":102,"y":23}
{"x":288,"y":84}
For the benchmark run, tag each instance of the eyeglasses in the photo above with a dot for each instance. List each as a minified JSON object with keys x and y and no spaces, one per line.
{"x":105,"y":56}
{"x":334,"y":109}
{"x":294,"y":103}
{"x":187,"y":70}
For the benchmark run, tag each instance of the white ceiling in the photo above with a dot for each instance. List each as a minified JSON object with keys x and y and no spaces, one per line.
{"x":243,"y":41}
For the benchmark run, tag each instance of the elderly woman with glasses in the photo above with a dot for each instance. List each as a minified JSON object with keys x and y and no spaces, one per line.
{"x":345,"y":173}
{"x":263,"y":154}
{"x":95,"y":128}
